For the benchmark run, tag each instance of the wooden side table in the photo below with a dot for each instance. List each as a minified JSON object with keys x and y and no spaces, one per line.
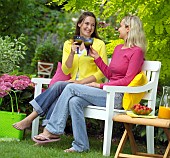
{"x":128,"y":121}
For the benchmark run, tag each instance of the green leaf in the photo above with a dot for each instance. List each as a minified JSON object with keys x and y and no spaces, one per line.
{"x":1,"y":99}
{"x":159,"y":28}
{"x":167,"y":29}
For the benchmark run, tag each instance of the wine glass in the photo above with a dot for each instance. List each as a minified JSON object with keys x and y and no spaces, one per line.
{"x":87,"y":43}
{"x":79,"y":40}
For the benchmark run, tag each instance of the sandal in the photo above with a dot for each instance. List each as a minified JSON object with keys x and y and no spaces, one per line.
{"x":70,"y":150}
{"x":43,"y":139}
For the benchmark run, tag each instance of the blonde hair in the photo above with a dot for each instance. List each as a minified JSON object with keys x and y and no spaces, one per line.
{"x":136,"y":35}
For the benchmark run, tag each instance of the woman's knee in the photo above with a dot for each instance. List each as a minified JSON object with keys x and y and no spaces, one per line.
{"x":73,"y":88}
{"x":58,"y":85}
{"x":75,"y":103}
{"x":70,"y":86}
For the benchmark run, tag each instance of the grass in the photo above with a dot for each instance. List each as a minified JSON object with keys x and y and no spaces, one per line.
{"x":26,"y":148}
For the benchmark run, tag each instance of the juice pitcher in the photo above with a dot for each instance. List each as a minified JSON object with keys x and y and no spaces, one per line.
{"x":164,"y":106}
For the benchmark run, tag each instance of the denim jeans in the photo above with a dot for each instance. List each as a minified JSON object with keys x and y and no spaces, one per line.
{"x":45,"y":102}
{"x":72,"y":101}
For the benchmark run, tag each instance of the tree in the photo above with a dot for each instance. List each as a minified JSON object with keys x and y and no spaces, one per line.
{"x":35,"y":19}
{"x":15,"y":16}
{"x":155,"y":15}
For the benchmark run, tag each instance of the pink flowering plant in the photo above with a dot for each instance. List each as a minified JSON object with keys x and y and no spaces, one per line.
{"x":15,"y":91}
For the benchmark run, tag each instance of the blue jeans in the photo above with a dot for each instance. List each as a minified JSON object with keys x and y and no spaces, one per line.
{"x":72,"y":101}
{"x":45,"y":102}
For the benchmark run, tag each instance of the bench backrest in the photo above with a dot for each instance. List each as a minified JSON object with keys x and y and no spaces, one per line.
{"x":152,"y":71}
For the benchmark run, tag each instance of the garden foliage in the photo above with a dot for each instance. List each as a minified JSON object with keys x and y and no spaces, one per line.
{"x":155,"y":16}
{"x":11,"y":52}
{"x":47,"y":50}
{"x":35,"y":18}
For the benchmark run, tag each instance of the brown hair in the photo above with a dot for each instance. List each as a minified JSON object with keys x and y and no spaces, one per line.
{"x":81,"y":18}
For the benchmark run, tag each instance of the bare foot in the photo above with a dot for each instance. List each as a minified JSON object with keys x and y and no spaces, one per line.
{"x":26,"y":122}
{"x":23,"y":124}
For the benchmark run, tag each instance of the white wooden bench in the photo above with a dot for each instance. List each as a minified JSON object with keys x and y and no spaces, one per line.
{"x":151,"y":69}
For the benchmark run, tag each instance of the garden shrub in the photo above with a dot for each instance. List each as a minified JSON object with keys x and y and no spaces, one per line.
{"x":11,"y":52}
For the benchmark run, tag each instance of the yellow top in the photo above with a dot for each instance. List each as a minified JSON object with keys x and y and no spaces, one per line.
{"x":84,"y":65}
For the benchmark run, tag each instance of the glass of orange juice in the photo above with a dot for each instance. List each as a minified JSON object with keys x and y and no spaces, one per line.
{"x":164,"y":107}
{"x":164,"y":112}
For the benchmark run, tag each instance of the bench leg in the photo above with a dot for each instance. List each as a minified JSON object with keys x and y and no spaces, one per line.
{"x":150,"y":139}
{"x":35,"y":126}
{"x":107,"y":137}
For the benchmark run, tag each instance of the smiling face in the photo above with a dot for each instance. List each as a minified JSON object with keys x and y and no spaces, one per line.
{"x":123,"y":30}
{"x":87,"y":27}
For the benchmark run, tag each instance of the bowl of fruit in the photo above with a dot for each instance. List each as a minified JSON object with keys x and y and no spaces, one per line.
{"x":141,"y":109}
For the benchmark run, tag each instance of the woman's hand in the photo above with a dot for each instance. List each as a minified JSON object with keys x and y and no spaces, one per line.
{"x":74,"y":48}
{"x":93,"y":84}
{"x":93,"y":53}
{"x":70,"y":58}
{"x":75,"y":81}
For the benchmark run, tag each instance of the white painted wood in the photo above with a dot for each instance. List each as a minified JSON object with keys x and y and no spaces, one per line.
{"x":45,"y":69}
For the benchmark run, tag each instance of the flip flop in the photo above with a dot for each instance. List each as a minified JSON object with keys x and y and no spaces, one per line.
{"x":45,"y":139}
{"x":70,"y":150}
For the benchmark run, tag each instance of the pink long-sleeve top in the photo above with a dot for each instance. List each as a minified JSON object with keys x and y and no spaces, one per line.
{"x":124,"y":66}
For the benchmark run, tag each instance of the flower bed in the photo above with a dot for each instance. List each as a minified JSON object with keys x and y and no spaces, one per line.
{"x":17,"y":91}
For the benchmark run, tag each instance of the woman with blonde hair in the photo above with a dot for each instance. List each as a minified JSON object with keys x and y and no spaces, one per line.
{"x":136,"y":36}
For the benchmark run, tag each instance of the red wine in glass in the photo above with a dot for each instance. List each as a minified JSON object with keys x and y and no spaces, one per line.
{"x":79,"y":40}
{"x":88,"y":42}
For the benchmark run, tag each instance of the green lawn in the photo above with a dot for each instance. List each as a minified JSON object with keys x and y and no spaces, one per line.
{"x":26,"y":148}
